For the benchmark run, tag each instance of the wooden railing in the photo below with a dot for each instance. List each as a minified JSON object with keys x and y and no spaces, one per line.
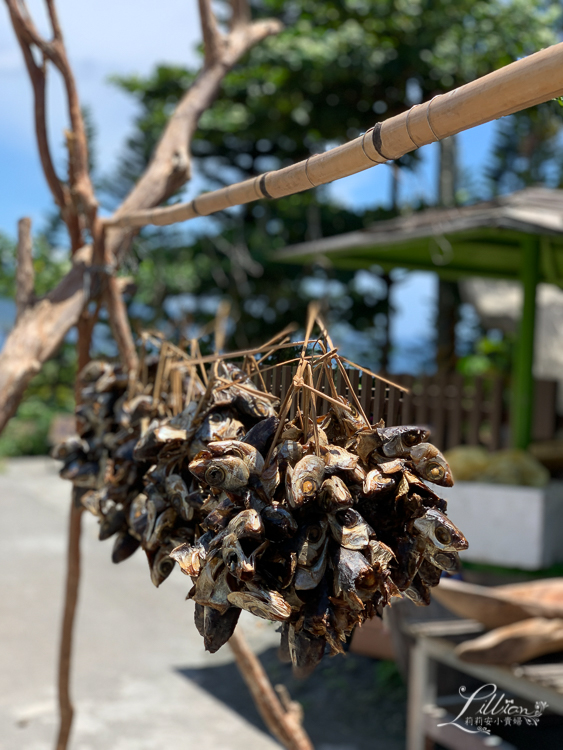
{"x":458,"y":410}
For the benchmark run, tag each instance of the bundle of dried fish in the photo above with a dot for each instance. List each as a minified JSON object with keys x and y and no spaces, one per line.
{"x":315,"y":522}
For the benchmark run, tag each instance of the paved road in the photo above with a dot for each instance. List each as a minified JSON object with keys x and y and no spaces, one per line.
{"x":135,"y":645}
{"x":142,"y":680}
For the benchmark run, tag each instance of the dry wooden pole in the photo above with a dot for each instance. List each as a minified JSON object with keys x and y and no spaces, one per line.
{"x":283,"y":721}
{"x":525,"y":83}
{"x":66,"y":710}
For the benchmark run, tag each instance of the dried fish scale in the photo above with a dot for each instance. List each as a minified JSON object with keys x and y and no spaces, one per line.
{"x":317,"y":531}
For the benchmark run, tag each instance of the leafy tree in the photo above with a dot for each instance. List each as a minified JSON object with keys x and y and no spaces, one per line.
{"x":528,"y":149}
{"x":338,"y":66}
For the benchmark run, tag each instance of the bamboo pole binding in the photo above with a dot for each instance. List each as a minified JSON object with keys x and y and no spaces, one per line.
{"x":522,"y":84}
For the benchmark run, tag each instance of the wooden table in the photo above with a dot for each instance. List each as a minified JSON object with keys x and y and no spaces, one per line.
{"x":535,"y":682}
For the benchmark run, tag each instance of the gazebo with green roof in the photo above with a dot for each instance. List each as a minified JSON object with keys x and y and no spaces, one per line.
{"x":517,"y":237}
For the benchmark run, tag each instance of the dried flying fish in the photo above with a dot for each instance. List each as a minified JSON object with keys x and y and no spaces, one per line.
{"x":376,"y":482}
{"x":161,"y":565}
{"x":306,"y":479}
{"x":311,"y":539}
{"x":339,"y":521}
{"x":262,"y":433}
{"x":399,"y":441}
{"x":246,"y":452}
{"x":309,"y":575}
{"x":448,"y":561}
{"x":124,"y":546}
{"x":349,"y":529}
{"x":431,"y":464}
{"x":229,"y":473}
{"x":218,"y":627}
{"x":177,"y":492}
{"x":440,"y":531}
{"x":334,"y":495}
{"x":305,"y":651}
{"x":338,"y":459}
{"x":217,"y":425}
{"x":270,"y":605}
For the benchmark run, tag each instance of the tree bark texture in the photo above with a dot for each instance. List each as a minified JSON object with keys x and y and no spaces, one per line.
{"x":284,"y":722}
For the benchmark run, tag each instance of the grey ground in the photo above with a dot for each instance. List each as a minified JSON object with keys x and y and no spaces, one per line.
{"x":141,"y":679}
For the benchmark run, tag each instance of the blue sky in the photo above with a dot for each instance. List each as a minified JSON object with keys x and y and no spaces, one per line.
{"x":136,"y":36}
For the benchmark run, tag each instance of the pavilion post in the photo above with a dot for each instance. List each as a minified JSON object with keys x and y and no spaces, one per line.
{"x":522,"y":397}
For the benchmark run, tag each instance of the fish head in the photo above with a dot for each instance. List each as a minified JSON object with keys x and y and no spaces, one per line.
{"x":440,"y":531}
{"x":431,"y":464}
{"x":228,"y":473}
{"x":307,"y":478}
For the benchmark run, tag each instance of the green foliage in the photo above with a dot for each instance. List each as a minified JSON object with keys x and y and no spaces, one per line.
{"x":337,"y":67}
{"x":335,"y":64}
{"x":52,"y":390}
{"x":26,"y":434}
{"x":492,"y":355}
{"x":528,"y":149}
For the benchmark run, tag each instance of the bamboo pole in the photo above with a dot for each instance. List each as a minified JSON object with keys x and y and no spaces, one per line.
{"x":522,"y":84}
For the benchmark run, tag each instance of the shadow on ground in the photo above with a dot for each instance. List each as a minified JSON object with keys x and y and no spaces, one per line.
{"x":350,"y":702}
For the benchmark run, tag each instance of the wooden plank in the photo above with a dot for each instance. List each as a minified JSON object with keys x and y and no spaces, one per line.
{"x":509,"y":679}
{"x":326,"y":389}
{"x":354,"y":376}
{"x":285,"y":380}
{"x":476,"y":412}
{"x":379,"y":411}
{"x":439,"y":410}
{"x":422,"y":691}
{"x":293,"y":408}
{"x":455,"y":411}
{"x":496,"y":412}
{"x":452,"y":737}
{"x":366,"y":396}
{"x":277,"y":383}
{"x":341,"y":385}
{"x":406,"y":414}
{"x":393,"y":403}
{"x":421,"y":401}
{"x":544,"y":413}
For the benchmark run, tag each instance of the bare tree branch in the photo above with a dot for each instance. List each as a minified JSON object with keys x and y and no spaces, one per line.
{"x":120,"y":324}
{"x":25,"y":276}
{"x":240,"y":13}
{"x":37,"y":76}
{"x":80,"y":199}
{"x":212,"y":37}
{"x":39,"y":332}
{"x":283,"y":719}
{"x":170,"y":166}
{"x":40,"y":329}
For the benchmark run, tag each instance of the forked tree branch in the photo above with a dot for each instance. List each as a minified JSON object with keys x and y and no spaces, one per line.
{"x":40,"y":330}
{"x":76,"y":201}
{"x":212,"y":37}
{"x":170,"y":166}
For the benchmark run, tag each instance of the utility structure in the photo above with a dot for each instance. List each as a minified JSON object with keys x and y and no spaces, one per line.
{"x":517,"y":237}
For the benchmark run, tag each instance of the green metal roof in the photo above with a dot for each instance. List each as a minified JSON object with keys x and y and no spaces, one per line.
{"x":485,"y":239}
